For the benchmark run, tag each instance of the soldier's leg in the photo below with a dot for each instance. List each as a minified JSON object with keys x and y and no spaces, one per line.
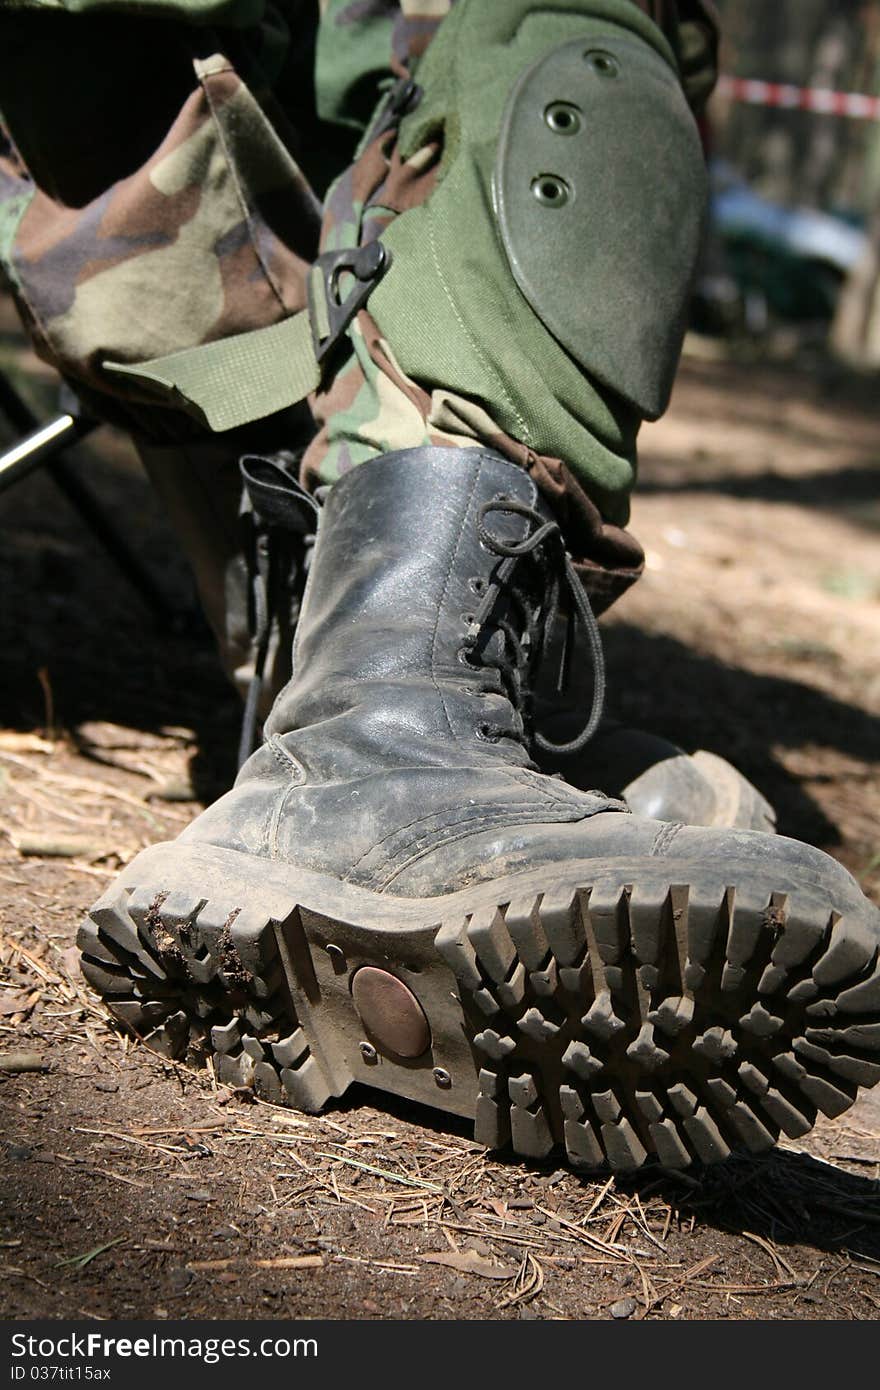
{"x":543,"y":327}
{"x":148,"y":223}
{"x":97,"y":105}
{"x":534,"y":303}
{"x":90,"y":159}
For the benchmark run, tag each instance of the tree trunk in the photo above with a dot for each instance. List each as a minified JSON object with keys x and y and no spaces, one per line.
{"x":855,"y":333}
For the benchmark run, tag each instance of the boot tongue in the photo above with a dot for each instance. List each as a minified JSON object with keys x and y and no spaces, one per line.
{"x":492,"y":648}
{"x":277,"y":497}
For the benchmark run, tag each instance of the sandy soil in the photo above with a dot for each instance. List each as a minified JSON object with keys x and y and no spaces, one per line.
{"x":130,"y":1187}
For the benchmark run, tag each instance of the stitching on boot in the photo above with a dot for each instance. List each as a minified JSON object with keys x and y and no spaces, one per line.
{"x":555,"y":792}
{"x":277,"y":817}
{"x":479,"y":819}
{"x":665,"y":836}
{"x":286,"y":760}
{"x":393,"y":869}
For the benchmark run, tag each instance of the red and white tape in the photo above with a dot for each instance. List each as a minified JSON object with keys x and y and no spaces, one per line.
{"x":788,"y":98}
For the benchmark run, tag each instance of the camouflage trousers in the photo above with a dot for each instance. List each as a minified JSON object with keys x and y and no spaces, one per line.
{"x":169,"y":173}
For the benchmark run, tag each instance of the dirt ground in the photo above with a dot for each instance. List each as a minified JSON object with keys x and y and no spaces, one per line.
{"x":130,"y":1187}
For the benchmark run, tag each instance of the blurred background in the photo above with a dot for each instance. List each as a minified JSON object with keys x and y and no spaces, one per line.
{"x":796,"y":192}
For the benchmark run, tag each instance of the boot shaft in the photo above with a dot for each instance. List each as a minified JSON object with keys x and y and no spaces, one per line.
{"x":385,"y":644}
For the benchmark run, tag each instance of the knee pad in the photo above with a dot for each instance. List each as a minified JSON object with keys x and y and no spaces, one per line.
{"x":600,"y":196}
{"x":547,"y":274}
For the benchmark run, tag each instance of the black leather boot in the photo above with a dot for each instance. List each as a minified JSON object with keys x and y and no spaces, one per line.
{"x":392,"y":894}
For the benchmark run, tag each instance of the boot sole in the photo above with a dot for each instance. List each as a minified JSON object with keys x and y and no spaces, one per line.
{"x":655,"y":1008}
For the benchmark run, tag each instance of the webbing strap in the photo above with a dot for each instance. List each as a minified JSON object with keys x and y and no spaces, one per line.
{"x":235,"y":380}
{"x":244,"y":378}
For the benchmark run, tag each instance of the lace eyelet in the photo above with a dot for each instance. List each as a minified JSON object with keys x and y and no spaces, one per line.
{"x":486,"y":733}
{"x":464,"y":659}
{"x":477,"y":586}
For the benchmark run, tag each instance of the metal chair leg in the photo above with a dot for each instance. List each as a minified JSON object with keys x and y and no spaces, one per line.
{"x":44,"y":445}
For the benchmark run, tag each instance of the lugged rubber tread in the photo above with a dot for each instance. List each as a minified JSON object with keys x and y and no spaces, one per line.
{"x":849,"y":951}
{"x":560,"y":913}
{"x":530,"y":1132}
{"x":706,"y":1137}
{"x":623,"y":1148}
{"x":527,"y":932}
{"x":628,"y":1019}
{"x":790,"y":1120}
{"x":832,"y":1098}
{"x":863,"y":997}
{"x":647,"y":914}
{"x":490,"y":939}
{"x":669,"y":1144}
{"x":857,"y":1069}
{"x":708,"y":919}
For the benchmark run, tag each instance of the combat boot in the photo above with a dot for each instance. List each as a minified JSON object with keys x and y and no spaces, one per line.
{"x":393,"y":894}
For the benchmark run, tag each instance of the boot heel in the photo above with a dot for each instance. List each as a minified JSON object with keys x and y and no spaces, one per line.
{"x":197,"y":978}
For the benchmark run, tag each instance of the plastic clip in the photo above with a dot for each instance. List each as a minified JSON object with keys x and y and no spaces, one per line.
{"x":331,"y":310}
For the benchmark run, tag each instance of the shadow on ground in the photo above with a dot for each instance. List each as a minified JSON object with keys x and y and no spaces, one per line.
{"x":787,"y":1197}
{"x":846,"y":489}
{"x":660,"y":685}
{"x":68,"y":613}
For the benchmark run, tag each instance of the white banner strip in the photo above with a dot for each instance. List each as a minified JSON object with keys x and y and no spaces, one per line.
{"x":788,"y":98}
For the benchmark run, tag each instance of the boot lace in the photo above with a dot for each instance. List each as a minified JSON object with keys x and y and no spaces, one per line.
{"x":524,"y":642}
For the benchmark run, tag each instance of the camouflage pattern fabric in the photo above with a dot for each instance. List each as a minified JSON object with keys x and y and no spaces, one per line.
{"x":211,"y":235}
{"x":119,"y":250}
